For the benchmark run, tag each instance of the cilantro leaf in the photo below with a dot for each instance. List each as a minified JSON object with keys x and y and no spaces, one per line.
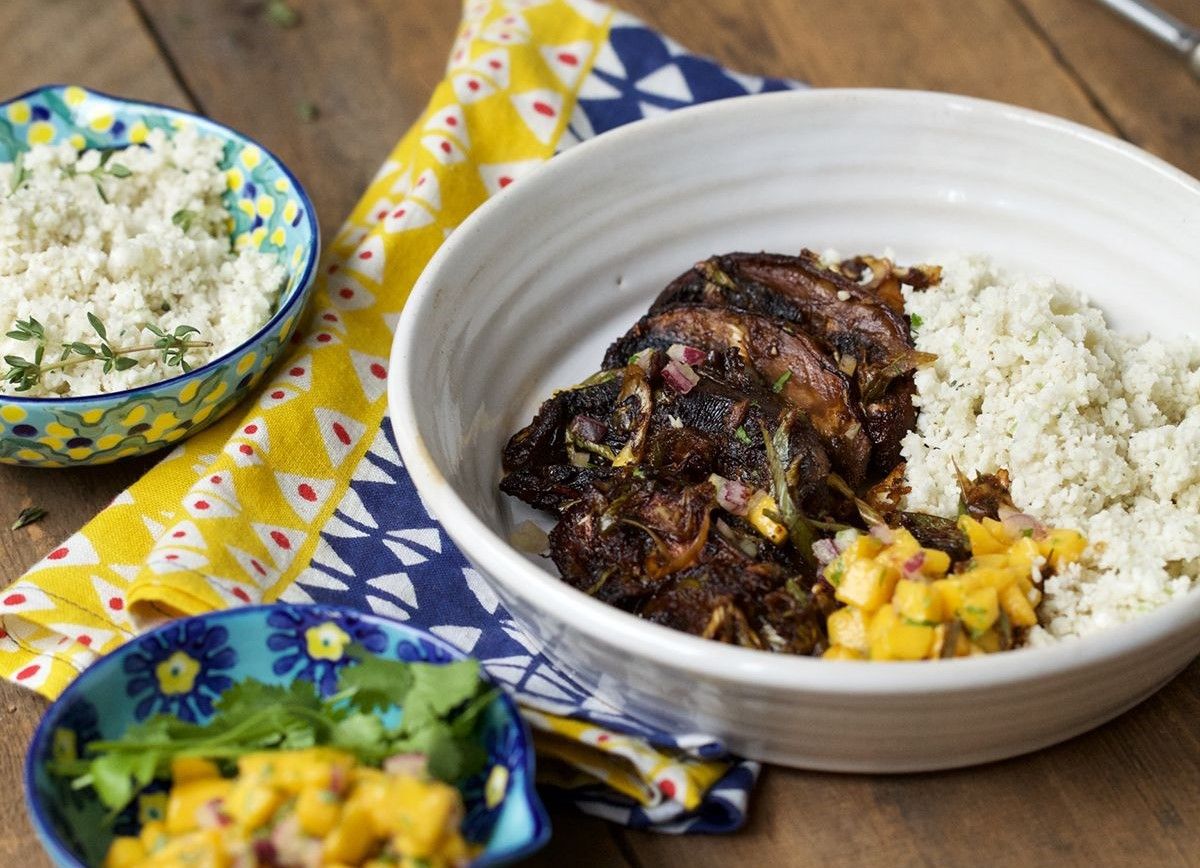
{"x":375,"y":683}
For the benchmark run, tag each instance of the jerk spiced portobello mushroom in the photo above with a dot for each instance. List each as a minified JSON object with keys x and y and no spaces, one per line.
{"x":740,"y":450}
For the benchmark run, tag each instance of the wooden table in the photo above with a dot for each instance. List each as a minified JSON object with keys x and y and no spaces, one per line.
{"x":1128,"y":793}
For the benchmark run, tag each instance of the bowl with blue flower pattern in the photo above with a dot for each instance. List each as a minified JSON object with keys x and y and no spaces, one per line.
{"x":182,"y":667}
{"x":270,"y":211}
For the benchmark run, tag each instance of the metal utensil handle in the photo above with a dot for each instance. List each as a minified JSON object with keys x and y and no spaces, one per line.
{"x":1162,"y":26}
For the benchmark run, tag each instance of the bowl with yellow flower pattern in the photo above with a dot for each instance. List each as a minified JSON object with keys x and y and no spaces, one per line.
{"x":269,"y":211}
{"x":261,"y":659}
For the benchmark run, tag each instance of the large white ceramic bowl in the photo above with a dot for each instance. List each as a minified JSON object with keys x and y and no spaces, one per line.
{"x":527,"y":293}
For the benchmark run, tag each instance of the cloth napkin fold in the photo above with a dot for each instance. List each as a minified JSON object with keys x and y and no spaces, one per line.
{"x":300,"y":495}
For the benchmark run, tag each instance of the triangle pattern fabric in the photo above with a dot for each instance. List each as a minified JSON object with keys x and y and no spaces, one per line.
{"x":540,"y":109}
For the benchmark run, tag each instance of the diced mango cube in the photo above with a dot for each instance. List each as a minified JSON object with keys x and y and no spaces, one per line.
{"x":979,"y":610}
{"x":252,"y":804}
{"x":318,"y":811}
{"x":951,"y":592}
{"x":867,"y":584}
{"x":987,"y":577}
{"x":864,"y":547}
{"x":988,"y":641}
{"x":1022,"y":555}
{"x":153,"y":835}
{"x":997,"y":530}
{"x":124,"y":852}
{"x":982,"y":542}
{"x":936,"y":563}
{"x":187,"y":800}
{"x":1017,"y":607}
{"x":848,"y":628}
{"x":1061,"y":547}
{"x":841,"y":652}
{"x":917,"y":601}
{"x":350,"y":840}
{"x":762,"y":522}
{"x":192,"y":768}
{"x":909,"y":641}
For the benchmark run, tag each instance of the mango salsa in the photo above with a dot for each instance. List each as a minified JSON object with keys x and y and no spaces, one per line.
{"x":906,"y":602}
{"x":316,"y":806}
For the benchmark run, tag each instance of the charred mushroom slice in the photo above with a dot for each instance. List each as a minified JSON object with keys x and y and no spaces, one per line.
{"x":814,"y":385}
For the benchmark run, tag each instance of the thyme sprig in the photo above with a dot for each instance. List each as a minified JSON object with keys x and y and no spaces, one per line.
{"x":27,"y":373}
{"x":28,"y":516}
{"x":116,"y":170}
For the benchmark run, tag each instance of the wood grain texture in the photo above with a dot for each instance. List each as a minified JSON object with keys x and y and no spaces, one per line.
{"x":1143,"y":87}
{"x":366,"y":66}
{"x":1126,"y":794}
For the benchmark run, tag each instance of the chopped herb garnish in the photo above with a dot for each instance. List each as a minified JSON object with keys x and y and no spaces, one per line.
{"x":441,"y":705}
{"x":917,"y":321}
{"x":307,"y":111}
{"x":281,"y":14}
{"x":20,"y":174}
{"x":28,"y":516}
{"x":741,"y":435}
{"x":26,"y":373}
{"x":118,"y":170}
{"x":780,"y":382}
{"x":183,"y":218}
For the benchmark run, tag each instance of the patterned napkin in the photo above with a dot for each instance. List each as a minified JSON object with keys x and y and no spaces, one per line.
{"x":301,"y":495}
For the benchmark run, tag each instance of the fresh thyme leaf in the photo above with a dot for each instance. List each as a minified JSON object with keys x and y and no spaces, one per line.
{"x":28,"y":516}
{"x":97,"y":326}
{"x":19,"y":173}
{"x":740,"y":434}
{"x":781,"y":381}
{"x":100,"y":191}
{"x":118,"y":170}
{"x":281,"y":14}
{"x":183,"y":218}
{"x":916,"y":320}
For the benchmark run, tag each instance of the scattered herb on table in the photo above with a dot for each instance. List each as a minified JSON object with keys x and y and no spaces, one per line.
{"x":28,"y":516}
{"x":27,"y":373}
{"x":441,"y":704}
{"x":281,"y":14}
{"x":307,"y":111}
{"x":780,"y":382}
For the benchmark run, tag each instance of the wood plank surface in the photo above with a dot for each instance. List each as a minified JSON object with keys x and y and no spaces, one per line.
{"x":1126,"y":794}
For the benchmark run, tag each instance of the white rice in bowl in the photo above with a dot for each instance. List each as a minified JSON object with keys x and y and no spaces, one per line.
{"x":152,"y":247}
{"x":1100,"y":433}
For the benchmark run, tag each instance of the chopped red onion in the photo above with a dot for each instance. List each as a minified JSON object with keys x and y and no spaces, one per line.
{"x":687,"y":355}
{"x":1017,"y":523}
{"x":731,"y":494}
{"x":825,"y":551}
{"x":642,"y":359}
{"x":406,"y":764}
{"x":587,"y":428}
{"x":844,"y":538}
{"x":680,"y":376}
{"x":914,"y":563}
{"x":883,"y":533}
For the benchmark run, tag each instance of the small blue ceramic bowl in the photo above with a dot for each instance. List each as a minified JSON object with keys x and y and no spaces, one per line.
{"x":181,"y":667}
{"x":270,"y":210}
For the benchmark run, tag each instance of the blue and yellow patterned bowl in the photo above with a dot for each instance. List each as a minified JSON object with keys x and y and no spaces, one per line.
{"x":181,"y":667}
{"x":271,"y":211}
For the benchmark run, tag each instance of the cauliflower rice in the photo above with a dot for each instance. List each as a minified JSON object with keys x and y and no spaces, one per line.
{"x":1100,"y":432}
{"x":65,"y":251}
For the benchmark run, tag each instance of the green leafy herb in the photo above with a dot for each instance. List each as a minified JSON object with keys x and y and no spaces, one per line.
{"x":28,"y":516}
{"x":307,"y":111}
{"x":26,"y":373}
{"x":183,"y":218}
{"x":779,"y":383}
{"x":20,"y":174}
{"x":119,"y":170}
{"x":741,"y":435}
{"x":440,"y":707}
{"x":917,"y":321}
{"x":281,"y":14}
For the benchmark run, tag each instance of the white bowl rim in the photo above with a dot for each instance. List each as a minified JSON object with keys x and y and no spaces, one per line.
{"x":690,"y":654}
